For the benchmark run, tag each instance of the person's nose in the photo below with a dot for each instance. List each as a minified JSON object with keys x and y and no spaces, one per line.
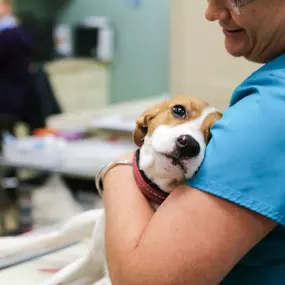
{"x":217,"y":10}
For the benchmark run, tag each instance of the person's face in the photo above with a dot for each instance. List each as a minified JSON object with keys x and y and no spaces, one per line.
{"x":256,"y":33}
{"x":4,"y":9}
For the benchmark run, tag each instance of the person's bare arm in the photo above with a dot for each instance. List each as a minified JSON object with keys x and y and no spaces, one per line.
{"x":193,"y":238}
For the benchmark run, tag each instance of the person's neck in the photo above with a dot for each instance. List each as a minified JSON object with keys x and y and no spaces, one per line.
{"x":5,"y":15}
{"x":272,"y":50}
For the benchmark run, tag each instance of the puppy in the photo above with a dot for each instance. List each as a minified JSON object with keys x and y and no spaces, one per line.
{"x":171,"y":139}
{"x":173,"y":136}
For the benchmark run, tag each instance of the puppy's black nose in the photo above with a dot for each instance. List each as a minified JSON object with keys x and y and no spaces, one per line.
{"x":187,"y":146}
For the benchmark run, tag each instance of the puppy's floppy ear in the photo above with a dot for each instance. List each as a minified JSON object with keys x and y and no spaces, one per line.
{"x":142,"y":124}
{"x":208,"y":123}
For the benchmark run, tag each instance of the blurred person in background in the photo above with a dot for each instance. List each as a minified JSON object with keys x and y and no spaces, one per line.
{"x":16,"y":51}
{"x":16,"y":82}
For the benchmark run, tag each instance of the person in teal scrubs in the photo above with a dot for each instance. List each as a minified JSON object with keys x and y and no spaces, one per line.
{"x":225,"y":226}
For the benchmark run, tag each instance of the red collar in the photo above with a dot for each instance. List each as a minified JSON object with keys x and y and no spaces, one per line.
{"x":147,"y":187}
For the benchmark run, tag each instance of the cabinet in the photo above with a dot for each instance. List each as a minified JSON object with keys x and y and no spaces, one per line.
{"x":79,"y":84}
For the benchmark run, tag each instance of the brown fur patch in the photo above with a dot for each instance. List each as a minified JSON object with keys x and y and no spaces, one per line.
{"x":208,"y":123}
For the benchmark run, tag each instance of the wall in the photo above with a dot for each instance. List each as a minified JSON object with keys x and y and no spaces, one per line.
{"x":141,"y":65}
{"x":40,"y":7}
{"x":199,"y":62}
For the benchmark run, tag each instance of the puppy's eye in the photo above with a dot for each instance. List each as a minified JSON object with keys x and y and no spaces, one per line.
{"x":179,"y":111}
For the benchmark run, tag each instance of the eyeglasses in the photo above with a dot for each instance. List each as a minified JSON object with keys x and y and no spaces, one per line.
{"x":237,"y":4}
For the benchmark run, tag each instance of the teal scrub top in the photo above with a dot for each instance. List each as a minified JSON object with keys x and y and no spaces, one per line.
{"x":245,"y":163}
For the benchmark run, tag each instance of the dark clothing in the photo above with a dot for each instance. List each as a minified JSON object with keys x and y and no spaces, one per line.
{"x":42,"y":103}
{"x":16,"y":50}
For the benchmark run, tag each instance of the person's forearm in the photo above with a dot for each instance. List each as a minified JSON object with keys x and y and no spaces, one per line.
{"x":127,"y":216}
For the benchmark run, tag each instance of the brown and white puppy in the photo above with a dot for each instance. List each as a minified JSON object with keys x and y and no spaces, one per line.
{"x":172,"y":138}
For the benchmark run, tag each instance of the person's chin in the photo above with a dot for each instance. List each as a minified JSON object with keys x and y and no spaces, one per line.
{"x":236,"y":49}
{"x":235,"y":52}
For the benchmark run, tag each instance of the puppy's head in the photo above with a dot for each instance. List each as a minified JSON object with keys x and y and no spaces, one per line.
{"x":173,"y":136}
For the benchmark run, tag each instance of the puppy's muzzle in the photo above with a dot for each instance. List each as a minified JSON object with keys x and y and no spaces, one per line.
{"x":187,"y":147}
